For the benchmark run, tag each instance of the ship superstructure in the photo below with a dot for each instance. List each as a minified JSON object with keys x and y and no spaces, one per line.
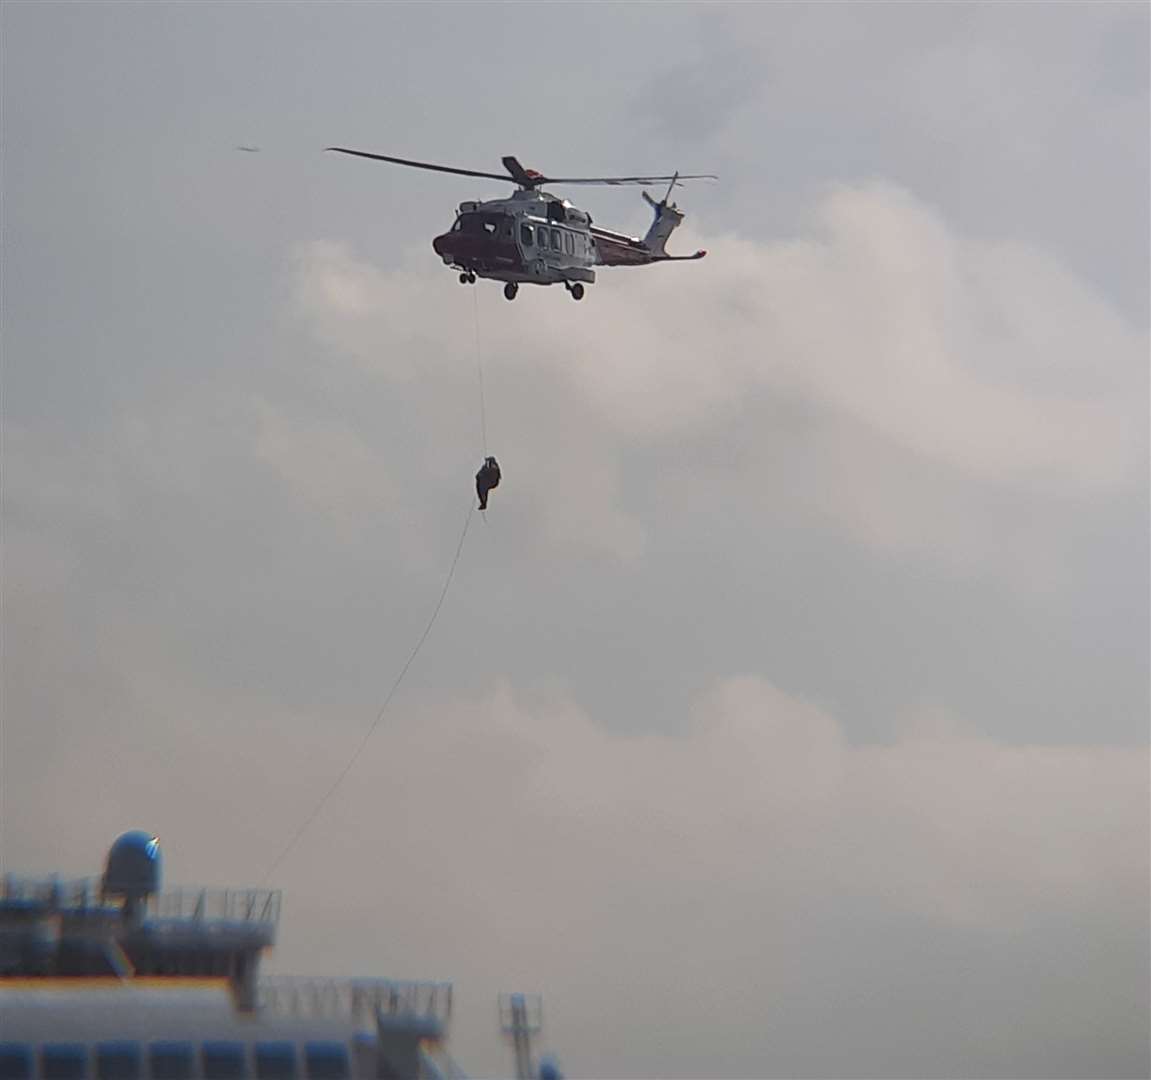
{"x":114,"y":979}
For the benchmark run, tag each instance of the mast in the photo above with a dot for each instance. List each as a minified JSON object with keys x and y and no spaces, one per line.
{"x":520,"y":1018}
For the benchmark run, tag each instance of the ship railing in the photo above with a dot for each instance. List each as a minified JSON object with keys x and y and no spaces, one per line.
{"x":355,"y":997}
{"x":224,"y":905}
{"x":49,"y":892}
{"x":218,"y":905}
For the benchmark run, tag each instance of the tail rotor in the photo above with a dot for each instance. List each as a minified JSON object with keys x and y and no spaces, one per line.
{"x":663,"y":203}
{"x":667,"y":219}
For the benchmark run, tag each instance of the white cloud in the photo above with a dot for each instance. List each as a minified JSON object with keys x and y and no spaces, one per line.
{"x":554,"y":845}
{"x":989,"y":358}
{"x":926,"y":381}
{"x":971,"y":829}
{"x":508,"y":840}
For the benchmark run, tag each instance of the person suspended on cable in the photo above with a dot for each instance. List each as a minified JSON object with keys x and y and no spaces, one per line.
{"x":487,"y":478}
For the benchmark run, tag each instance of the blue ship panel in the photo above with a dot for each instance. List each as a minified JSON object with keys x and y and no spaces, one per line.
{"x":64,"y":1061}
{"x":224,"y":1060}
{"x":15,"y":1061}
{"x":172,"y":1060}
{"x":275,"y":1061}
{"x":326,"y":1060}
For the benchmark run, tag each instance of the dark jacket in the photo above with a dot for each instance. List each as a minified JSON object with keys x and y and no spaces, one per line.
{"x":487,"y":478}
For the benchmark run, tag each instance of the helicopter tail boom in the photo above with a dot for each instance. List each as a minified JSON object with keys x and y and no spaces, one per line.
{"x":618,"y":250}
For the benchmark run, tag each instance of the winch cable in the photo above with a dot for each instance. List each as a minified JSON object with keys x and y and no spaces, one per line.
{"x":480,"y":371}
{"x":480,"y":374}
{"x":383,"y":708}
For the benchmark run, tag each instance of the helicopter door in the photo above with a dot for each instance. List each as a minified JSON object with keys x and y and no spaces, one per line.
{"x":533,"y":246}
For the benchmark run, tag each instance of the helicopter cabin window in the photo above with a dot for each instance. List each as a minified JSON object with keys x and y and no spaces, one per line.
{"x":480,"y":224}
{"x":556,"y":243}
{"x":568,"y":243}
{"x":526,"y":235}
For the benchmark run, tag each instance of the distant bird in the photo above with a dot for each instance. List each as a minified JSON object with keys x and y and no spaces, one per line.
{"x":249,"y":149}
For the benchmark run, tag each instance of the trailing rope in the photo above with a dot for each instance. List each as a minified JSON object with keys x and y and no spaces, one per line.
{"x":332,"y":788}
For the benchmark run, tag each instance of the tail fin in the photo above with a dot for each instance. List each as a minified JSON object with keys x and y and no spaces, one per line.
{"x":667,"y":219}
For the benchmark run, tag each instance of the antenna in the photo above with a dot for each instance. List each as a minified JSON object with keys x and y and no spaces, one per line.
{"x":521,"y":1017}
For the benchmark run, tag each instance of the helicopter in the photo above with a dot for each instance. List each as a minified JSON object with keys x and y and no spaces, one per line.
{"x":535,"y":238}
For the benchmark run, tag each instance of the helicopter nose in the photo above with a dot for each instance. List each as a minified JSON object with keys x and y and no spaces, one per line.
{"x":441,"y":245}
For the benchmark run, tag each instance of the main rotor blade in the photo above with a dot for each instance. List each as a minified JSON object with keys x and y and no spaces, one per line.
{"x":524,"y":177}
{"x":626,"y":179}
{"x":421,"y":164}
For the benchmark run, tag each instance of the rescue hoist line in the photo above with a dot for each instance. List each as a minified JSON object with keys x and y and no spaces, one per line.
{"x":480,"y":371}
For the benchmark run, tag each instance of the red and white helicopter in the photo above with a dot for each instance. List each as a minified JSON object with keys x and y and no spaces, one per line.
{"x":533,"y":237}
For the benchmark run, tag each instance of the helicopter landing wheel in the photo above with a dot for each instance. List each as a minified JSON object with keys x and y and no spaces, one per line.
{"x":510,"y":290}
{"x":577,"y":291}
{"x":471,"y":277}
{"x":465,"y":279}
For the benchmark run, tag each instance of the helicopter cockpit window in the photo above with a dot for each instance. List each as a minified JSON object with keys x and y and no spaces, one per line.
{"x":526,"y":235}
{"x":480,"y":224}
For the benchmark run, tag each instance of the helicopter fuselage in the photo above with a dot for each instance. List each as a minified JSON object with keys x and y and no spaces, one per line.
{"x":536,"y":238}
{"x":529,"y":238}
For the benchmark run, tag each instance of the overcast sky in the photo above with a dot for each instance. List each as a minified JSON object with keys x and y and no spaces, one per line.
{"x":788,"y":715}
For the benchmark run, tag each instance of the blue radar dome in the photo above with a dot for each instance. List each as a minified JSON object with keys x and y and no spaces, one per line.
{"x":133,"y":867}
{"x":550,"y":1069}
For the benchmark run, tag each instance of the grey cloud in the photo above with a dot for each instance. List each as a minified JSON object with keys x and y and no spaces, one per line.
{"x":788,"y":714}
{"x":695,"y":100}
